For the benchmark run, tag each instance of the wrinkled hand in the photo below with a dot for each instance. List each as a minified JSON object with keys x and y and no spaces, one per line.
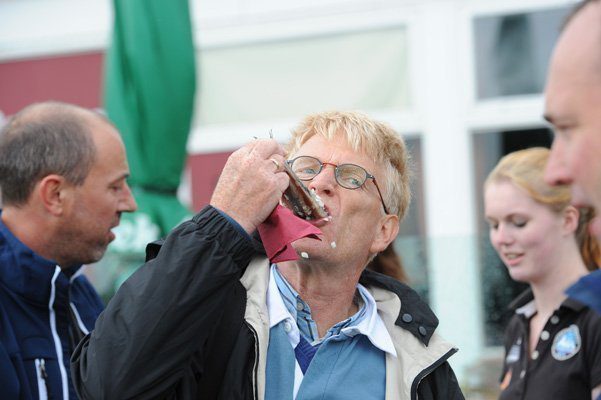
{"x":251,"y":184}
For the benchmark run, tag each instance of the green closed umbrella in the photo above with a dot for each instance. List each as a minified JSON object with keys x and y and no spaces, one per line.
{"x":149,"y":95}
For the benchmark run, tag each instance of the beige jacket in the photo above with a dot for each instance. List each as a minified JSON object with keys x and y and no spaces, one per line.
{"x":414,"y":359}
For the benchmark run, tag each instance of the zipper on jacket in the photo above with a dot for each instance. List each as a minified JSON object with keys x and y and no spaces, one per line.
{"x":256,"y":363}
{"x":40,"y":370}
{"x":429,"y":370}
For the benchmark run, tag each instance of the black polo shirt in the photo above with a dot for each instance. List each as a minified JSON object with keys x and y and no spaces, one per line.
{"x":566,"y":363}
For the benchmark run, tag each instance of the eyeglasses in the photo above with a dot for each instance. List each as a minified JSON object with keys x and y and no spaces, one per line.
{"x":349,"y":176}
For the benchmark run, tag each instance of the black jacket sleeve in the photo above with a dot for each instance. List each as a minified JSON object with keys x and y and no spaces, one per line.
{"x":441,"y":384}
{"x":142,"y":344}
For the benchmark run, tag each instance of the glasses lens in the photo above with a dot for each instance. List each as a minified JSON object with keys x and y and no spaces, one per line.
{"x":351,"y":176}
{"x":306,"y":167}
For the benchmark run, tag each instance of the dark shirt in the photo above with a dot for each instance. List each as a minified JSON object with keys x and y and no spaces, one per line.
{"x":566,"y":363}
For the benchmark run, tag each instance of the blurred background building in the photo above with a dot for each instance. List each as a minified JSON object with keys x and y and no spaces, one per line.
{"x":461,"y":80}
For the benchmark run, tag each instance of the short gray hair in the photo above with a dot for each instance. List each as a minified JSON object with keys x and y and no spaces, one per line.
{"x":43,"y":139}
{"x":378,"y":140}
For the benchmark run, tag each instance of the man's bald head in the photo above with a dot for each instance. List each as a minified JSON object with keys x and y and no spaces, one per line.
{"x":573,"y":100}
{"x":576,"y":10}
{"x":593,"y":10}
{"x":42,"y":139}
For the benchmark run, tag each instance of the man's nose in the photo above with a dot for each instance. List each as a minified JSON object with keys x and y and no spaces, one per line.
{"x":325,"y":180}
{"x":128,"y":203}
{"x":556,"y":171}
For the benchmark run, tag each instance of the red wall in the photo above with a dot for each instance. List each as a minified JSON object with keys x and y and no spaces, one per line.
{"x":74,"y":79}
{"x":205,"y":170}
{"x":77,"y":79}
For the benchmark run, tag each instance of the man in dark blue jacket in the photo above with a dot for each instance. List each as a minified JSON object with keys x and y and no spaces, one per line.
{"x":63,"y":177}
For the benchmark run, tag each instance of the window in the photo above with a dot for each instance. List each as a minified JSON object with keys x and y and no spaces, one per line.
{"x":287,"y":78}
{"x":513,"y":51}
{"x":411,"y":243}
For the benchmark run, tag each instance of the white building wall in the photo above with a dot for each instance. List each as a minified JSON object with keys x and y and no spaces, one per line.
{"x":441,"y":101}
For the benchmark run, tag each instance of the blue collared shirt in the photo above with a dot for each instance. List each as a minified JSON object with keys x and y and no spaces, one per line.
{"x":350,"y":359}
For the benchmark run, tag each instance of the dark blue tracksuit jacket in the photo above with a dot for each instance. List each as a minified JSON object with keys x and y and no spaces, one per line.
{"x":44,"y":311}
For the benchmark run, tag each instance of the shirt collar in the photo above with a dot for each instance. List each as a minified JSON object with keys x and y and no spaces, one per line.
{"x":527,"y":310}
{"x":370,"y":325}
{"x":422,"y":322}
{"x":524,"y":304}
{"x":277,"y":310}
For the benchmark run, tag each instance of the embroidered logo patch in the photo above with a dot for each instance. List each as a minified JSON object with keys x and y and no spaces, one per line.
{"x":566,"y":344}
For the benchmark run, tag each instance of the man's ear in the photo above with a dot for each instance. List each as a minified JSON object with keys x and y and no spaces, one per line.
{"x":571,"y":216}
{"x":53,"y":191}
{"x":387,"y":231}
